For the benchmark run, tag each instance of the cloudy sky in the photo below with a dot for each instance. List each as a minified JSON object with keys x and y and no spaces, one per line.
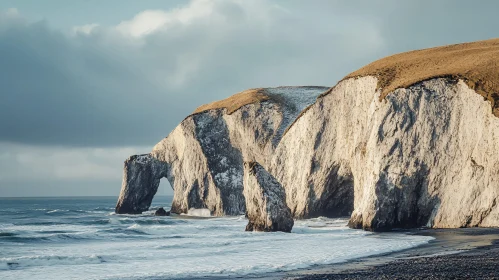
{"x":86,"y":83}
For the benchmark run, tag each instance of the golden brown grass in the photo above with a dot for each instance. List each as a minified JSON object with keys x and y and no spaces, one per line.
{"x":476,"y":63}
{"x":236,"y":101}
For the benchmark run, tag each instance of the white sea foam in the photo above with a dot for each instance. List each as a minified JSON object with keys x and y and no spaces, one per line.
{"x":183,"y":248}
{"x":48,"y":260}
{"x":56,"y":210}
{"x":202,"y":212}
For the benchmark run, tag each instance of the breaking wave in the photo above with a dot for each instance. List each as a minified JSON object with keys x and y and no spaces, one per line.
{"x":23,"y":262}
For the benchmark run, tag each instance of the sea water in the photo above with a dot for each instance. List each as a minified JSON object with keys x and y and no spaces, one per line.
{"x":82,"y":238}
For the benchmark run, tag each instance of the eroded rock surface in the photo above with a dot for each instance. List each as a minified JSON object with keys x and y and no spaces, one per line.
{"x":206,"y":151}
{"x":141,"y":176}
{"x":266,"y":207}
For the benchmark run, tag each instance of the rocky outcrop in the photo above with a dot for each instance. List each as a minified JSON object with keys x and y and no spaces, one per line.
{"x":141,"y":176}
{"x":161,"y":212}
{"x":423,"y":155}
{"x":266,"y":207}
{"x":203,"y":156}
{"x":206,"y":151}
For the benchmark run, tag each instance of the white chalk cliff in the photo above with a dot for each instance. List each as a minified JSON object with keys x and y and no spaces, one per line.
{"x":425,"y":155}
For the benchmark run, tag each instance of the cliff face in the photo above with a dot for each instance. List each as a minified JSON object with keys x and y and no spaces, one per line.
{"x":427,"y":156}
{"x":424,"y":155}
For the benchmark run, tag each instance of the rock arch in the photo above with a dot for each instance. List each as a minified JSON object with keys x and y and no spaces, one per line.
{"x":141,"y":178}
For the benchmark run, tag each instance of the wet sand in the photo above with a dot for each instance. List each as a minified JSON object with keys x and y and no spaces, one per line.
{"x":471,"y":253}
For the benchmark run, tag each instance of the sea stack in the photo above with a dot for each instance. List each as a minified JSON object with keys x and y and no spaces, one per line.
{"x":266,"y":207}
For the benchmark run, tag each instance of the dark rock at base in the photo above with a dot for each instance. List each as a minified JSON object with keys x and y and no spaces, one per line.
{"x":162,"y":212}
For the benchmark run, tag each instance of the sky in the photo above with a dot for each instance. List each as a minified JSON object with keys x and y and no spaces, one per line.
{"x":86,"y":83}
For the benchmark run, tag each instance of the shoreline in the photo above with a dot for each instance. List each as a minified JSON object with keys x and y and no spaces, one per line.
{"x":463,"y":253}
{"x":453,"y":253}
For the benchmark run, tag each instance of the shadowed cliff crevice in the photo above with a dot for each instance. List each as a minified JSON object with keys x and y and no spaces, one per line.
{"x":195,"y":199}
{"x":336,"y":199}
{"x":400,"y":203}
{"x":225,"y":164}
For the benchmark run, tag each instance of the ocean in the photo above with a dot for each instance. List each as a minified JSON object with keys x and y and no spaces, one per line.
{"x":82,"y":238}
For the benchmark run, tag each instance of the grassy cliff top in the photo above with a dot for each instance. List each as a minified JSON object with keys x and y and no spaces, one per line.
{"x":235,"y":101}
{"x":476,"y":63}
{"x":291,"y":95}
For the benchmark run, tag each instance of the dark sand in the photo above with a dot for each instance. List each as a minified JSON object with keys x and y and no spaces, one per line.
{"x":471,"y":253}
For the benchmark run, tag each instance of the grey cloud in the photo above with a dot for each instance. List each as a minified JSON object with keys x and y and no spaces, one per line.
{"x":105,"y":89}
{"x":410,"y":25}
{"x":54,"y":92}
{"x":101,"y":89}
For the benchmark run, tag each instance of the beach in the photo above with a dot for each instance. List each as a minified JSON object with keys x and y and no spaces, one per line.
{"x":470,"y":253}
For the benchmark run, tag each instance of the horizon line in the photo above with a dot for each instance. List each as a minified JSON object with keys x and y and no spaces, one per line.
{"x":70,"y":196}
